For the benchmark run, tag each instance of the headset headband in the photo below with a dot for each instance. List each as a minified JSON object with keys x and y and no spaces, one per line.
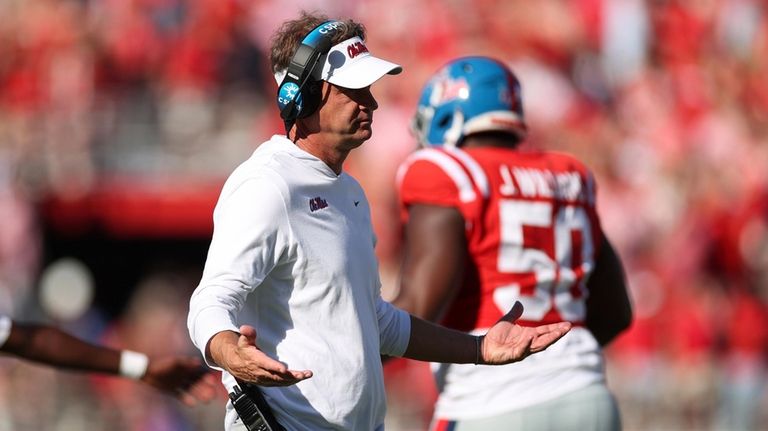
{"x":292,"y":100}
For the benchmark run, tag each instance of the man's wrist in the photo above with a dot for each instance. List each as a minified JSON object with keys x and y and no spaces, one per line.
{"x":220,"y":345}
{"x":133,"y":364}
{"x":479,"y":349}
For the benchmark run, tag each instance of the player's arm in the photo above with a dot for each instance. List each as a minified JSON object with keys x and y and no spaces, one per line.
{"x":609,"y":311}
{"x":433,"y":260}
{"x":51,"y":346}
{"x":181,"y":377}
{"x":435,"y":253}
{"x":505,"y":342}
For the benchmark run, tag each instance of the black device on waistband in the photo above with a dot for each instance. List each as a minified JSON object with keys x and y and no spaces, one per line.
{"x":253,"y":409}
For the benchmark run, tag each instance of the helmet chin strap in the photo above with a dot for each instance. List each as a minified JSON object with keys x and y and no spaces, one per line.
{"x":455,"y":133}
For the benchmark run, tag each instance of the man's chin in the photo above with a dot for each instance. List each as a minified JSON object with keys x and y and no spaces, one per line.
{"x":364,"y":132}
{"x":358,"y":138}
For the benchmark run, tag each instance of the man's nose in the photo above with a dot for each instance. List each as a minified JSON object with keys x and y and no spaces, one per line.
{"x":367,"y":99}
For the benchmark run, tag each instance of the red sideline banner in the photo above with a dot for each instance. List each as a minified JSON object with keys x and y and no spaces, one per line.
{"x":131,"y":207}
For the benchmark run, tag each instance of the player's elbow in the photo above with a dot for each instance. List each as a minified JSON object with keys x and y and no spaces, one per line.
{"x":406,"y":303}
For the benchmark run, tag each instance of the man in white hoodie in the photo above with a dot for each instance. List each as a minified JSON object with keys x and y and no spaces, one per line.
{"x":292,"y":255}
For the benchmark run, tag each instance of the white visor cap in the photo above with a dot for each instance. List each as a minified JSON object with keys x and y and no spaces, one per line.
{"x":349,"y":64}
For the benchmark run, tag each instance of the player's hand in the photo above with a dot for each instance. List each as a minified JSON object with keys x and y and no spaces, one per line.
{"x":509,"y":342}
{"x":246,"y":362}
{"x":184,"y":378}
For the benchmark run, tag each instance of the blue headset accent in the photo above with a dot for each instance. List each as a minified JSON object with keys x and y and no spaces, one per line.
{"x":293,"y":99}
{"x":323,"y":31}
{"x":287,"y":94}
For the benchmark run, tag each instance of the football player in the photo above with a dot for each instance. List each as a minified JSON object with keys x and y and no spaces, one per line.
{"x":488,"y":224}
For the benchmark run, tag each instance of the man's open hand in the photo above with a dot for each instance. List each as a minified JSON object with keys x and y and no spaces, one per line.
{"x":509,"y":342}
{"x":243,"y":359}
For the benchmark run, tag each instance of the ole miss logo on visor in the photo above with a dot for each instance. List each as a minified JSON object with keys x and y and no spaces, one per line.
{"x":355,"y":49}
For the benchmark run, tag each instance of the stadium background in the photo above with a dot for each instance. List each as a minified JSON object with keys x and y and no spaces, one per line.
{"x":120,"y":119}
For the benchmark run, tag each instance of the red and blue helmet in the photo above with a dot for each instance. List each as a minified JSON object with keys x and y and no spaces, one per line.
{"x":469,"y":95}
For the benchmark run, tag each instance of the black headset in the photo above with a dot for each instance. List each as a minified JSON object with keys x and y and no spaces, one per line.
{"x":295,"y":98}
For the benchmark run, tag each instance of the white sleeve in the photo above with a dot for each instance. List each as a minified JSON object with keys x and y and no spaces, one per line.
{"x":5,"y":329}
{"x":394,"y":328}
{"x":250,"y":235}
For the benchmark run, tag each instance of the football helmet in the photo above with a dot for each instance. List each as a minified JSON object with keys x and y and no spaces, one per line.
{"x":466,"y":96}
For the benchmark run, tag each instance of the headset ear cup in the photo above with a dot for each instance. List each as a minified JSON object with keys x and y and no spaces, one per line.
{"x":289,"y":100}
{"x":311,"y":95}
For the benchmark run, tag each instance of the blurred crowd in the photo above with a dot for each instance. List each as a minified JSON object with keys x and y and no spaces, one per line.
{"x":666,"y":100}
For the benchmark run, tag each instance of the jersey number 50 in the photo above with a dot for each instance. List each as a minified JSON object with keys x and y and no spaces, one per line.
{"x":559,"y":285}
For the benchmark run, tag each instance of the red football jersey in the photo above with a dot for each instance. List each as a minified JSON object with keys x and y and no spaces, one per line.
{"x":531,"y":228}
